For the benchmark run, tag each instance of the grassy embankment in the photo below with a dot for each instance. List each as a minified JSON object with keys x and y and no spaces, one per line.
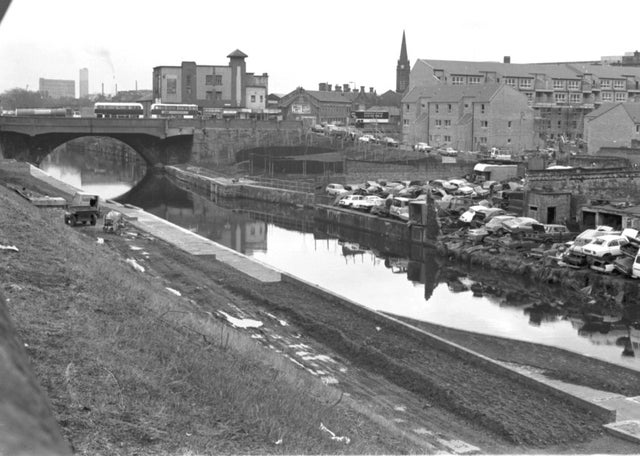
{"x":122,"y":379}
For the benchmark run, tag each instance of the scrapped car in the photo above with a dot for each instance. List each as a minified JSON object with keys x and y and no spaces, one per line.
{"x":400,"y":208}
{"x":388,"y":141}
{"x":519,"y":225}
{"x":352,"y":201}
{"x":480,"y":214}
{"x":607,"y":246}
{"x":573,"y":259}
{"x":448,"y":152}
{"x":624,"y":265}
{"x":605,"y":267}
{"x":336,"y":189}
{"x":369,"y":202}
{"x":494,"y":226}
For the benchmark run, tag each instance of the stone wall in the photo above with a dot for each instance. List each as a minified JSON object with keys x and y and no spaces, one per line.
{"x":587,"y":184}
{"x":218,"y":142}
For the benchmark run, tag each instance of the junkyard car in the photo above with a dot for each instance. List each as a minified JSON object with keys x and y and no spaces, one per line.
{"x":606,"y":247}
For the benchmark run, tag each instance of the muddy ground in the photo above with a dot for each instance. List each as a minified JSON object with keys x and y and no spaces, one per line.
{"x":397,"y":376}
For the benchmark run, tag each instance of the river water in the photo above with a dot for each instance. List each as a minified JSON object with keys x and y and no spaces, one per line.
{"x":373,"y":273}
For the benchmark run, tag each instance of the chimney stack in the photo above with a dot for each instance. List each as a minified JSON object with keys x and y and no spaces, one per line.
{"x":329,"y":86}
{"x":338,"y":88}
{"x":370,"y":89}
{"x":362,"y":89}
{"x":346,"y":88}
{"x":322,"y":87}
{"x":506,"y":59}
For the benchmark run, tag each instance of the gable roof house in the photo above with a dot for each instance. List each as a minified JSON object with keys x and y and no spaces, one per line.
{"x":612,"y":125}
{"x":468,"y":117}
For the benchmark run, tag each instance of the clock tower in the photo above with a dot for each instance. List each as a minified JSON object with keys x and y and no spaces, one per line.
{"x":403,"y":69}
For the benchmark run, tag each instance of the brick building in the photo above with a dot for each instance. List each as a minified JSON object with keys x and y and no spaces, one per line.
{"x":217,"y":89}
{"x":318,"y":106}
{"x":468,"y":117}
{"x":613,"y":125}
{"x":561,"y":94}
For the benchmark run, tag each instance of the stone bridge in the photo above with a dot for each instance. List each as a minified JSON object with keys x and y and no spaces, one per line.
{"x":157,"y":141}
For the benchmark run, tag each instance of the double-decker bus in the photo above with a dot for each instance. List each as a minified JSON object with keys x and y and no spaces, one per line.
{"x":105,"y":110}
{"x":173,"y":110}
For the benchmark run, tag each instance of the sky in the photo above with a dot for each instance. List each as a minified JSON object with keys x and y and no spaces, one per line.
{"x":298,"y":43}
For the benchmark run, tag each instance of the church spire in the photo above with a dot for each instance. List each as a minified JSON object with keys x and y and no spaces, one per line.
{"x":403,"y":69}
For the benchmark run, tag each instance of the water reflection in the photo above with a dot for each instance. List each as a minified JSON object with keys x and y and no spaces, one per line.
{"x":397,"y":278}
{"x":97,"y":165}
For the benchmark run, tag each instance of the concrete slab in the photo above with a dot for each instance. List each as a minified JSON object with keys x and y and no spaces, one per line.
{"x":629,"y":430}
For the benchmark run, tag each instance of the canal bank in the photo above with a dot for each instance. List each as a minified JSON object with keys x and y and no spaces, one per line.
{"x":608,"y":289}
{"x":382,"y":347}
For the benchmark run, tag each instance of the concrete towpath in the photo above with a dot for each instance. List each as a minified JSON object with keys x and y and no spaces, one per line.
{"x":184,"y":239}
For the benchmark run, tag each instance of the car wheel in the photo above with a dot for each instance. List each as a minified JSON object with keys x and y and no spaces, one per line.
{"x":607,"y":257}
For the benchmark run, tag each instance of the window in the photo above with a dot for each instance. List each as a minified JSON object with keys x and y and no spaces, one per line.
{"x":253,"y":98}
{"x":408,"y":107}
{"x":437,"y":108}
{"x":405,"y":122}
{"x":560,"y":97}
{"x":447,"y":138}
{"x":605,"y":83}
{"x":573,"y":85}
{"x":510,"y":81}
{"x":447,"y":123}
{"x":448,"y":108}
{"x":508,"y":140}
{"x":438,"y":122}
{"x":209,"y":95}
{"x":457,"y":80}
{"x":188,"y":79}
{"x":208,"y":80}
{"x":423,"y":106}
{"x":621,"y":96}
{"x":607,"y":96}
{"x":637,"y":128}
{"x":475,"y":79}
{"x":261,"y":98}
{"x":525,"y":83}
{"x":618,"y":85}
{"x":218,"y":95}
{"x":483,"y":139}
{"x":509,"y":124}
{"x":533,"y":208}
{"x":529,"y":96}
{"x":172,"y":85}
{"x":484,"y":123}
{"x":558,"y":84}
{"x":482,"y":109}
{"x":575,"y":97}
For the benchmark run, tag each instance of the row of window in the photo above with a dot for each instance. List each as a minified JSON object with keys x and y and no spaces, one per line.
{"x":213,"y":79}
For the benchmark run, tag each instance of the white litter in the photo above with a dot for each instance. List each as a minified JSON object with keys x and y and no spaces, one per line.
{"x":134,"y":264}
{"x":8,"y":247}
{"x":100,"y":240}
{"x":175,"y":292}
{"x":241,"y":323}
{"x":135,"y":247}
{"x":346,"y":440}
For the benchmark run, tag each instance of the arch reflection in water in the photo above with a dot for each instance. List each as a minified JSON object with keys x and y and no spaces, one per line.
{"x":96,"y":165}
{"x":396,"y":278}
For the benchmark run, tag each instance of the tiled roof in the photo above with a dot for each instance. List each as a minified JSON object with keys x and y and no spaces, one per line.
{"x":238,"y":53}
{"x":605,"y":107}
{"x":605,"y":71}
{"x":458,"y":67}
{"x":332,"y":97}
{"x":633,"y":109}
{"x":453,"y":93}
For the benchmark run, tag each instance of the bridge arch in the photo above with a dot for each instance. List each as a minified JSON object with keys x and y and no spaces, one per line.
{"x":157,"y":141}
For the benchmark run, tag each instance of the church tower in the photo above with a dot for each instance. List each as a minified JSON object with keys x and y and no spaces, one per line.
{"x":403,"y":70}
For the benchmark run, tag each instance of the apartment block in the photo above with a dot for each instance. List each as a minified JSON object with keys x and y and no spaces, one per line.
{"x":57,"y":88}
{"x":561,"y":94}
{"x":468,"y":117}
